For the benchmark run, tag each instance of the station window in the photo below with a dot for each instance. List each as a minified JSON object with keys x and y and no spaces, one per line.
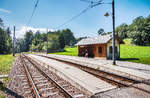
{"x":110,"y":49}
{"x":100,"y":49}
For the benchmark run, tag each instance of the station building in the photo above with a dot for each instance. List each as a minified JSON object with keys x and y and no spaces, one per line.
{"x":99,"y":47}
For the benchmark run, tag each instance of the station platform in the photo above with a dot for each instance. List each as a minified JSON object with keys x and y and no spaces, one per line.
{"x":122,"y":68}
{"x":128,"y":92}
{"x":82,"y":80}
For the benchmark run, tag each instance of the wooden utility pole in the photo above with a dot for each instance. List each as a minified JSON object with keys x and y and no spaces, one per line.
{"x":114,"y":35}
{"x":47,"y":42}
{"x":14,"y":42}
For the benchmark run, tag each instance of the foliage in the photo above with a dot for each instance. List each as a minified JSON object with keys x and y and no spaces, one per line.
{"x":101,"y":31}
{"x":68,"y":37}
{"x":122,"y":31}
{"x":28,"y":40}
{"x":1,"y":23}
{"x":127,"y":41}
{"x":61,"y":41}
{"x":53,"y":41}
{"x":20,"y":45}
{"x":139,"y":31}
{"x":38,"y":42}
{"x":5,"y":39}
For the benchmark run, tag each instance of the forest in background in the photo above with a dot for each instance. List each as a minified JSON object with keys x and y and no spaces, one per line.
{"x":5,"y":39}
{"x":41,"y":42}
{"x":138,"y":32}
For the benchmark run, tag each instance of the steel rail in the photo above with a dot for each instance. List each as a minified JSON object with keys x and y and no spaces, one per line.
{"x":35,"y":90}
{"x":95,"y":71}
{"x":86,"y":69}
{"x":67,"y":94}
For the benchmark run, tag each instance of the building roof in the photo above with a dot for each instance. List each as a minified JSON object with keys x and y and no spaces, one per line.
{"x":95,"y":40}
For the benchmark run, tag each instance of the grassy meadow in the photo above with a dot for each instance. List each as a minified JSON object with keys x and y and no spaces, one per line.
{"x":73,"y":51}
{"x":6,"y":62}
{"x":138,"y":54}
{"x":128,"y":52}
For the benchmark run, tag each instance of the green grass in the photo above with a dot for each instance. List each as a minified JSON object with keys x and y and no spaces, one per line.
{"x":138,"y":54}
{"x":128,"y":52}
{"x":2,"y":96}
{"x":69,"y":51}
{"x":6,"y":62}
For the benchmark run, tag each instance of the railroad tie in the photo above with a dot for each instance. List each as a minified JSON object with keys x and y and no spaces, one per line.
{"x":45,"y":89}
{"x":46,"y":95}
{"x":78,"y":95}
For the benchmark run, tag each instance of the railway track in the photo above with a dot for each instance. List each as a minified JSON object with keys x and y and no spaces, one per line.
{"x":113,"y":79}
{"x":46,"y":84}
{"x":18,"y":83}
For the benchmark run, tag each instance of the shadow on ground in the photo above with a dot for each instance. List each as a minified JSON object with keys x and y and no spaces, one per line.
{"x":128,"y":59}
{"x":9,"y":92}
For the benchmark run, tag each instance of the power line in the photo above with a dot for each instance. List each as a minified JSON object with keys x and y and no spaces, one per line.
{"x":89,"y":1}
{"x":74,"y":17}
{"x":35,"y":6}
{"x":92,"y":4}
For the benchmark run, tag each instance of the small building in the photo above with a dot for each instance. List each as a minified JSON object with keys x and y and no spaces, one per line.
{"x":100,"y":46}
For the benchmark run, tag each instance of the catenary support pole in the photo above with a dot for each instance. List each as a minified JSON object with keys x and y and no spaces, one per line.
{"x":14,"y":40}
{"x":47,"y":43}
{"x":113,"y":41}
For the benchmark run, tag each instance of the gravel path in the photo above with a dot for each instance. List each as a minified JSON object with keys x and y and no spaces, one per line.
{"x":18,"y":86}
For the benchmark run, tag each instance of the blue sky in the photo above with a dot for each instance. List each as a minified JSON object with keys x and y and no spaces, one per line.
{"x":52,"y":13}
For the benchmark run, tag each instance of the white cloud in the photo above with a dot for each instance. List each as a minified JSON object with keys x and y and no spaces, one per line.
{"x":5,"y":11}
{"x":21,"y":32}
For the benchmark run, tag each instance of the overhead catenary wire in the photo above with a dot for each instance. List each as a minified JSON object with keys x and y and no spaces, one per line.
{"x":34,"y":9}
{"x":74,"y":17}
{"x":92,"y":4}
{"x":89,"y":1}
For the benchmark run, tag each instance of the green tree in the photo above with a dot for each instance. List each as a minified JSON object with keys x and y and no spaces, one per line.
{"x":56,"y":40}
{"x":3,"y":41}
{"x":61,"y":41}
{"x":122,"y":31}
{"x":101,"y":31}
{"x":1,"y":23}
{"x":28,"y":40}
{"x":9,"y":40}
{"x":20,"y":45}
{"x":53,"y":42}
{"x":68,"y":37}
{"x":140,"y":31}
{"x":37,"y":42}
